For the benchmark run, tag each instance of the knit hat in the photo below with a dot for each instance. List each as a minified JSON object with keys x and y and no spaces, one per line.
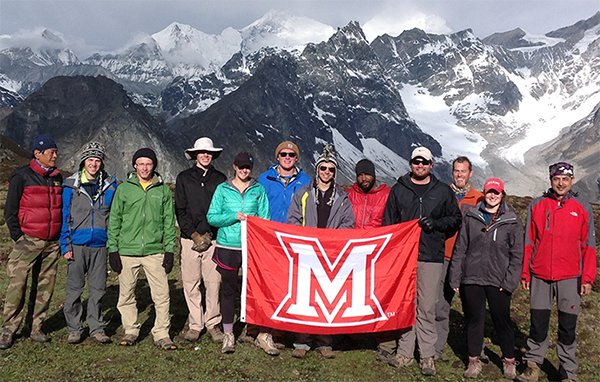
{"x":365,"y":166}
{"x":328,"y":155}
{"x":43,"y":142}
{"x":493,"y":184}
{"x":287,"y":145}
{"x":145,"y":153}
{"x":92,"y":150}
{"x":562,"y":168}
{"x":422,"y":152}
{"x":244,"y":159}
{"x":203,"y":144}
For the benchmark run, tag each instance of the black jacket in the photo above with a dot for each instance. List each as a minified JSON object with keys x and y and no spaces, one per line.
{"x":193,"y":193}
{"x":438,"y":203}
{"x":492,"y":258}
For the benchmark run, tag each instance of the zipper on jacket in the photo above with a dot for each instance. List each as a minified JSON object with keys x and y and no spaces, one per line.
{"x":420,"y":207}
{"x":48,"y":184}
{"x":548,"y":220}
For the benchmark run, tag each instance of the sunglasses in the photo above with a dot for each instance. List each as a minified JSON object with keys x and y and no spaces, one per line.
{"x":419,"y":161}
{"x":325,"y":168}
{"x":291,"y":155}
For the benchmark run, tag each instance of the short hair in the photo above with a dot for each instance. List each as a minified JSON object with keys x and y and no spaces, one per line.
{"x":462,"y":159}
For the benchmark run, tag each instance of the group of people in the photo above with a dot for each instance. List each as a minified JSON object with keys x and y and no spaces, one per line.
{"x":471,"y":243}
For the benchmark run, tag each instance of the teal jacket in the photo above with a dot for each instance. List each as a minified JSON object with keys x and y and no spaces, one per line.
{"x":142,"y":222}
{"x":225,"y":204}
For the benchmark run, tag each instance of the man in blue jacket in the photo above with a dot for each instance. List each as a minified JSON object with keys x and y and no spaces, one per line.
{"x":87,"y":196}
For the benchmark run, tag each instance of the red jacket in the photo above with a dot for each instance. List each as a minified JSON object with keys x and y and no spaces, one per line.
{"x":368,"y":208}
{"x":559,"y":239}
{"x":466,"y":203}
{"x":34,"y":202}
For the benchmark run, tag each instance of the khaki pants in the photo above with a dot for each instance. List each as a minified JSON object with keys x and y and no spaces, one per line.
{"x":196,"y":267}
{"x":41,"y":258}
{"x":159,"y":290}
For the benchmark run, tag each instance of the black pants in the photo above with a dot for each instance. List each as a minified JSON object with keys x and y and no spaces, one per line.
{"x":474,"y":298}
{"x":230,"y":290}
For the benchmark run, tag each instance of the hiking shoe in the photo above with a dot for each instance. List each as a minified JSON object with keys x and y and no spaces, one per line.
{"x":299,"y":353}
{"x":400,"y":361}
{"x":74,"y":338}
{"x":246,"y":339}
{"x":265,"y":342}
{"x":128,"y":340}
{"x":101,"y":338}
{"x":278,"y":342}
{"x":568,"y":380}
{"x":192,"y":335}
{"x":165,"y":344}
{"x":6,"y":338}
{"x":509,"y":368}
{"x":327,"y":353}
{"x":484,"y":357}
{"x":215,"y":334}
{"x":228,"y":343}
{"x":474,"y":368}
{"x":427,"y":366}
{"x":439,"y":358}
{"x":38,"y":336}
{"x":383,"y":356}
{"x":531,"y":373}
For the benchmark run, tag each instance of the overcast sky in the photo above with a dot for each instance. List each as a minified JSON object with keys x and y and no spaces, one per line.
{"x":109,"y":24}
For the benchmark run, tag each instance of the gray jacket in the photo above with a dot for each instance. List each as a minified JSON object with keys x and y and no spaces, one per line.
{"x":303,"y":209}
{"x":492,"y":258}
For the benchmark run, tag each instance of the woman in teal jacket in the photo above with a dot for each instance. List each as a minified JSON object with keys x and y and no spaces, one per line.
{"x":231,"y":203}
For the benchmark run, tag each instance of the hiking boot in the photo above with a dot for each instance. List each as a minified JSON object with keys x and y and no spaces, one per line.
{"x":265,"y":342}
{"x":474,"y":369}
{"x":568,"y":380}
{"x":439,"y":358}
{"x":165,"y":344}
{"x":383,"y":356}
{"x":246,"y":339}
{"x":101,"y":338}
{"x":128,"y":340}
{"x":531,"y":373}
{"x":400,"y":361}
{"x":299,"y":353}
{"x":509,"y":368}
{"x":192,"y":335}
{"x":326,"y":353}
{"x":74,"y":338}
{"x":215,"y":334}
{"x":228,"y":343}
{"x":278,"y":342}
{"x":6,"y":338}
{"x":427,"y":366}
{"x":38,"y":336}
{"x":484,"y":357}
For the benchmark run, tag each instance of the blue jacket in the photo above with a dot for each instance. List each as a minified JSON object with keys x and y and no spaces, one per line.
{"x":280,"y":196}
{"x":85,"y":217}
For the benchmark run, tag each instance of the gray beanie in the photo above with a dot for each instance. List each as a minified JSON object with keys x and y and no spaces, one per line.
{"x":92,"y":150}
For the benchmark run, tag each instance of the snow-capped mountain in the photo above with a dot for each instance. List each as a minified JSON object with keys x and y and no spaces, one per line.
{"x":497,"y":100}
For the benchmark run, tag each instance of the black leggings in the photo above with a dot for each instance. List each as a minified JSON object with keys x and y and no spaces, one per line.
{"x":230,"y":284}
{"x":473,"y":298}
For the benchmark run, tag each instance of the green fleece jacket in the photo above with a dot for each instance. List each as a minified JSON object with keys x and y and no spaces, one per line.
{"x":227,"y":201}
{"x":142,"y":222}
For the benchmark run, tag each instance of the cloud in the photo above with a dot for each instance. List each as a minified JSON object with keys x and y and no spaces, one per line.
{"x":41,"y":37}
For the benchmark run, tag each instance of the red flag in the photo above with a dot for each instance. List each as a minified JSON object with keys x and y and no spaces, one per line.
{"x":329,"y":281}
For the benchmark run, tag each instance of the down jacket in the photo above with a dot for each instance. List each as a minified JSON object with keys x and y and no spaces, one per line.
{"x":492,"y":258}
{"x":85,"y":217}
{"x":368,"y":208}
{"x":34,"y":202}
{"x":227,"y":202}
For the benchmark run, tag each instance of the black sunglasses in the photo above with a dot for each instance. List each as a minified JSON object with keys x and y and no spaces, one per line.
{"x":291,"y":155}
{"x":419,"y":161}
{"x":325,"y":168}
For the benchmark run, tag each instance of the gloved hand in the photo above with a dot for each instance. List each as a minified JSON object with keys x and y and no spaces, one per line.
{"x":201,"y":242}
{"x":114,"y":259}
{"x":168,"y":262}
{"x":426,"y":223}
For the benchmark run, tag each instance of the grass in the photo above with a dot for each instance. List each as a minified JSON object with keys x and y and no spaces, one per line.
{"x":203,"y":361}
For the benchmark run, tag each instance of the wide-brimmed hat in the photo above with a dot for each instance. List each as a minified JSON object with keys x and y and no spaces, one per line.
{"x":203,"y":144}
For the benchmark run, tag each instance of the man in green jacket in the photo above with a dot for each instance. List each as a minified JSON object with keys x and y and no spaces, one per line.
{"x":141,"y":234}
